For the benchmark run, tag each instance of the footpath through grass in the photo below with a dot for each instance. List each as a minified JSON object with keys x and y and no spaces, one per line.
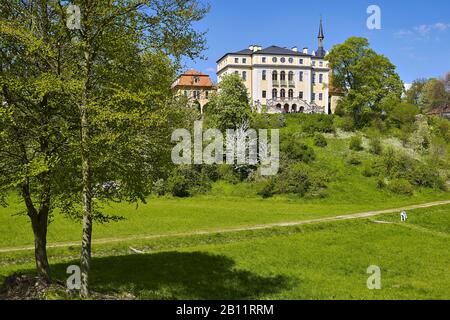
{"x":321,"y":261}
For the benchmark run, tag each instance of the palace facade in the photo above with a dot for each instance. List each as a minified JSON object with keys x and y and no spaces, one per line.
{"x":282,"y":80}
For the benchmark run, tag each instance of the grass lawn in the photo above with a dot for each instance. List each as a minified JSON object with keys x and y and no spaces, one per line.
{"x":321,"y":261}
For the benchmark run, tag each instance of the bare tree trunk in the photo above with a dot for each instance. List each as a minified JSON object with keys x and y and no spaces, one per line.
{"x":87,"y":204}
{"x":39,"y":224}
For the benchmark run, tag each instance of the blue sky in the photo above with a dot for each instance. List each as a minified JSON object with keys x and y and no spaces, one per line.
{"x":414,"y":35}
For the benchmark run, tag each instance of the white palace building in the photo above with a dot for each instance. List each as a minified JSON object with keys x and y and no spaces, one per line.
{"x":281,"y":80}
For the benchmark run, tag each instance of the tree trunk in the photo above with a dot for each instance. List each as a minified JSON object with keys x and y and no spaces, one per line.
{"x":87,"y":204}
{"x":39,"y":224}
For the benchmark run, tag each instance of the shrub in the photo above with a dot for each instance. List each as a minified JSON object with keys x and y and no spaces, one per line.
{"x":320,"y":141}
{"x":313,"y":123}
{"x":353,"y":160}
{"x":227,"y":173}
{"x":159,"y":187}
{"x":375,"y":146}
{"x":266,"y":188}
{"x":187,"y":180}
{"x":297,"y":150}
{"x":381,"y":184}
{"x":368,"y":171}
{"x":178,"y":185}
{"x":427,"y":176}
{"x":401,"y":186}
{"x":356,"y":143}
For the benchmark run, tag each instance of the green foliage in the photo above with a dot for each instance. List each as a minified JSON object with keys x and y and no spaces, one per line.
{"x":187,"y":180}
{"x":320,"y":141}
{"x":313,"y":123}
{"x":368,"y":79}
{"x":229,"y":108}
{"x":413,"y":93}
{"x":266,"y":188}
{"x":375,"y":146}
{"x":296,"y":150}
{"x":267,"y":121}
{"x":159,"y":187}
{"x":353,"y":159}
{"x":433,"y":94}
{"x":356,"y":143}
{"x":404,"y":114}
{"x":401,"y":186}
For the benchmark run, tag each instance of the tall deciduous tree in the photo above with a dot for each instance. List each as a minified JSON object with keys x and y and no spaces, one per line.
{"x":230,"y":107}
{"x":433,"y":95}
{"x":368,"y":79}
{"x":109,"y":81}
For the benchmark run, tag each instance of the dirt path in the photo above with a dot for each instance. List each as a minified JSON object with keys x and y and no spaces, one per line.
{"x":237,"y":229}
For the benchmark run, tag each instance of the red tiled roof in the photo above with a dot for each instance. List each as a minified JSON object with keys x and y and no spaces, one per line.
{"x":193,"y":78}
{"x":440,"y":110}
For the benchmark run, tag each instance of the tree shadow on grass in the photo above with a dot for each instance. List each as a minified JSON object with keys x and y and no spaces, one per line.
{"x":179,"y":275}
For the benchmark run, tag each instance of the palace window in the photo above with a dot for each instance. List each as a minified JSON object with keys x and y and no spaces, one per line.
{"x":313,"y":96}
{"x":282,"y":93}
{"x":301,"y":61}
{"x":313,"y":78}
{"x":274,"y":59}
{"x":291,"y":60}
{"x":321,"y":63}
{"x":313,"y":63}
{"x":264,"y":94}
{"x":291,"y":93}
{"x":196,"y":94}
{"x":274,"y":75}
{"x":236,"y":60}
{"x":301,"y":76}
{"x":283,"y":60}
{"x":244,"y":75}
{"x":320,"y":78}
{"x":291,"y":76}
{"x":274,"y":93}
{"x":264,"y":76}
{"x":236,"y":72}
{"x":282,"y":76}
{"x":244,"y":60}
{"x":320,"y":96}
{"x":300,"y":94}
{"x":264,"y":59}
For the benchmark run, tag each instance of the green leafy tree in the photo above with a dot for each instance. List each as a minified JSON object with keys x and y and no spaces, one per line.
{"x":404,"y":114}
{"x":412,"y":95}
{"x":230,"y":107}
{"x":109,"y":82}
{"x":369,"y":80}
{"x":433,"y":95}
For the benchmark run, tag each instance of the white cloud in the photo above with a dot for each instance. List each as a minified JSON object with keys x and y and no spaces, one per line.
{"x":423,"y":31}
{"x":211,"y":69}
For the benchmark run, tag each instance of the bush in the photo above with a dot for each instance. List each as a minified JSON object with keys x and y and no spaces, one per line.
{"x":353,"y":160}
{"x":187,"y":180}
{"x":227,"y":173}
{"x":381,"y":184}
{"x":320,"y":141}
{"x":368,"y":171}
{"x":427,"y":176}
{"x":313,"y":123}
{"x":159,"y":187}
{"x":401,"y":186}
{"x":178,"y":185}
{"x":356,"y":143}
{"x":375,"y":146}
{"x":266,"y":188}
{"x":297,"y":150}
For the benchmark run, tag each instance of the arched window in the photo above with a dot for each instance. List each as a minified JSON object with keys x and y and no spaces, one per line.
{"x":282,"y":76}
{"x":274,"y":93}
{"x":264,"y":75}
{"x":275,"y":75}
{"x":282,"y":93}
{"x":294,"y":108}
{"x":291,"y":76}
{"x":291,"y":93}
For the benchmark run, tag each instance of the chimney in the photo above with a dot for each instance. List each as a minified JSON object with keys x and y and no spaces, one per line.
{"x":257,"y":47}
{"x":305,"y":50}
{"x":295,"y":49}
{"x":251,"y":47}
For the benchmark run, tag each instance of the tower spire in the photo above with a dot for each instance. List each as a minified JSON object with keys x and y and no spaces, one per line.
{"x":320,"y":51}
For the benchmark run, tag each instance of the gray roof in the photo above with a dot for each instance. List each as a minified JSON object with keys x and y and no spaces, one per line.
{"x":269,"y":50}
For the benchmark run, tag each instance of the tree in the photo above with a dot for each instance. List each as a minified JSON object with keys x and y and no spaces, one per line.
{"x":109,"y":81}
{"x":230,"y":107}
{"x":404,"y":114}
{"x":36,"y":118}
{"x":413,"y":94}
{"x":433,"y":95}
{"x":369,"y":80}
